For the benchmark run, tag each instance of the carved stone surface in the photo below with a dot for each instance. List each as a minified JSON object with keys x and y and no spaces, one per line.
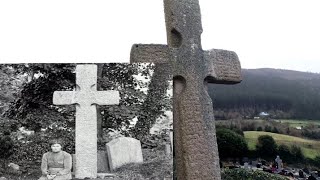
{"x":195,"y":147}
{"x":86,"y":97}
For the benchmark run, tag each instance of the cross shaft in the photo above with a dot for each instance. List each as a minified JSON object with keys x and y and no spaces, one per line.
{"x":195,"y":147}
{"x":86,"y":97}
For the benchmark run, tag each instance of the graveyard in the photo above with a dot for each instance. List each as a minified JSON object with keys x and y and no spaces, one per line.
{"x":182,"y":60}
{"x":155,"y":117}
{"x":262,"y":140}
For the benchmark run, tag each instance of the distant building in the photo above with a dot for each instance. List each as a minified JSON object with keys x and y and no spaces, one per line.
{"x":264,"y":114}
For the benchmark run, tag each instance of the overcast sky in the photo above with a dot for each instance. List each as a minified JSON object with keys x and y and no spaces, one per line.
{"x":272,"y":33}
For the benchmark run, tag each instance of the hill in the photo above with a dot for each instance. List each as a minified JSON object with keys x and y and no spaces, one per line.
{"x":281,"y":73}
{"x":310,"y":148}
{"x":281,"y":93}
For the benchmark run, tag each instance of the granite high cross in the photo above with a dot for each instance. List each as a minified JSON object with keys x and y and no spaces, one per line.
{"x":86,"y":97}
{"x":195,"y":147}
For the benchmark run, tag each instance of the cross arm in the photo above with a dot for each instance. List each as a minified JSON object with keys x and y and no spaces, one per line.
{"x":224,"y":66}
{"x":106,"y":97}
{"x":153,"y":53}
{"x":64,"y":97}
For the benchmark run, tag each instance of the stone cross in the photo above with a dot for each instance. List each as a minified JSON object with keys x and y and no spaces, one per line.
{"x":195,"y":147}
{"x":279,"y":163}
{"x":86,"y":97}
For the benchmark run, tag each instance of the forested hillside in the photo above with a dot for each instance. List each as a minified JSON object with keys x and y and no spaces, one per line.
{"x":281,"y":93}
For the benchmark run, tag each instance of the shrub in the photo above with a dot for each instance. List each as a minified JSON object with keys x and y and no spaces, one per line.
{"x":231,"y":144}
{"x":268,"y":128}
{"x":275,"y":130}
{"x":259,"y":128}
{"x":285,"y":153}
{"x":6,"y":148}
{"x":297,"y":155}
{"x":266,"y":147}
{"x":312,"y":134}
{"x":237,"y":130}
{"x":292,"y":154}
{"x":6,"y":145}
{"x":316,"y":161}
{"x":237,"y":174}
{"x":248,"y":126}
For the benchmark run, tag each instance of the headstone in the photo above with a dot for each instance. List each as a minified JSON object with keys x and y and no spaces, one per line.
{"x":237,"y":164}
{"x":301,"y":174}
{"x":279,"y":163}
{"x":295,"y":173}
{"x":314,"y":175}
{"x":195,"y":147}
{"x":86,"y":97}
{"x":254,"y":163}
{"x":246,"y":165}
{"x":124,"y":150}
{"x":259,"y":165}
{"x":306,"y":170}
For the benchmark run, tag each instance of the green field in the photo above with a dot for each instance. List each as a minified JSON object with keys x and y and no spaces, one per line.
{"x":310,"y":148}
{"x":299,"y":123}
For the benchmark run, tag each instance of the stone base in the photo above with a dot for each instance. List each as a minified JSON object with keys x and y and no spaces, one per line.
{"x":103,"y":165}
{"x":105,"y":175}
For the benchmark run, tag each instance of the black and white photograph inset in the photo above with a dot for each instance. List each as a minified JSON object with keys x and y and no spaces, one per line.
{"x":64,"y":121}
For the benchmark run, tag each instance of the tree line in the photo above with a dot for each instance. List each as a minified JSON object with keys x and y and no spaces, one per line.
{"x":281,"y":93}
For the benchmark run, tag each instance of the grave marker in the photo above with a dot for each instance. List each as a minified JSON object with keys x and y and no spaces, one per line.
{"x":195,"y":147}
{"x":279,"y":163}
{"x":123,"y":150}
{"x":86,"y":97}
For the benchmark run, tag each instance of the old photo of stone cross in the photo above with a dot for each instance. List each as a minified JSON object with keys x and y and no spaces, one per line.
{"x":80,"y":121}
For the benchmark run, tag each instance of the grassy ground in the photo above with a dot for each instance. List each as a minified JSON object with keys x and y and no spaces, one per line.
{"x":299,"y":123}
{"x":310,"y":148}
{"x":156,"y":165}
